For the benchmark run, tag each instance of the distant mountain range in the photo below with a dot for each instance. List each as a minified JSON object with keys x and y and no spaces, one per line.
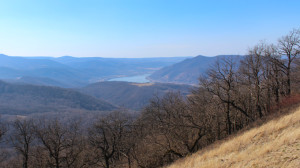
{"x":187,"y":71}
{"x":33,"y":84}
{"x":19,"y":99}
{"x":70,"y":71}
{"x":131,"y":95}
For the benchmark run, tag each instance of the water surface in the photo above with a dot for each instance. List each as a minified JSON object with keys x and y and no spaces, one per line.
{"x":136,"y":79}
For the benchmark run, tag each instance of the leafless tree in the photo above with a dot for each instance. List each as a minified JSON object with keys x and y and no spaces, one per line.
{"x":3,"y":131}
{"x":107,"y":137}
{"x":62,"y":142}
{"x":175,"y":128}
{"x":221,"y":81}
{"x":289,"y":46}
{"x":22,"y":138}
{"x":297,"y":73}
{"x":254,"y":70}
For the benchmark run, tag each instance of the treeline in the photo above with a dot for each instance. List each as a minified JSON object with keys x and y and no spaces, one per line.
{"x":230,"y":96}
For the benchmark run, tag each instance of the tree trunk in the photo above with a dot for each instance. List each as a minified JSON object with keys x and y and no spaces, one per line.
{"x":228,"y":118}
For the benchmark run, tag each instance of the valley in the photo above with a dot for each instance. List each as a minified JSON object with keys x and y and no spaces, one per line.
{"x":51,"y":86}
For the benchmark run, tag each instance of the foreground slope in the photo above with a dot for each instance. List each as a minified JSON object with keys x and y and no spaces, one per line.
{"x":274,"y":144}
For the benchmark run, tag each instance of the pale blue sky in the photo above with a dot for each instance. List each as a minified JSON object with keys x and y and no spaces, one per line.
{"x":142,"y":28}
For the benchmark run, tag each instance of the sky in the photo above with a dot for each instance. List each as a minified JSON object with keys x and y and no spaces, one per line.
{"x":142,"y":28}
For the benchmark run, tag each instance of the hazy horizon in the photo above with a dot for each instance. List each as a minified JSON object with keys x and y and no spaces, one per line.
{"x":135,"y":29}
{"x":47,"y":56}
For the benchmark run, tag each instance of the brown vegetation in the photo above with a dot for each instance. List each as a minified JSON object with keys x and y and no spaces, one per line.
{"x":274,"y":144}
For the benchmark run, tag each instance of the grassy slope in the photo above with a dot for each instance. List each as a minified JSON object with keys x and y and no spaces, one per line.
{"x":274,"y":144}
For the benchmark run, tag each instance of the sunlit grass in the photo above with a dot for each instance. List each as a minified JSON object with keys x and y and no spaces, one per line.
{"x":274,"y":144}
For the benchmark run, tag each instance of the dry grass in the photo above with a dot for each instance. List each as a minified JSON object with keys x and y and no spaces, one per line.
{"x":274,"y":144}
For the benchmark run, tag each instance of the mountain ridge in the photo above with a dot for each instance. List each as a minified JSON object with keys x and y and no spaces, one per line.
{"x":187,"y":71}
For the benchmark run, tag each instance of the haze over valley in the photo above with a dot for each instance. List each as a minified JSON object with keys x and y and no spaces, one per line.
{"x":70,"y":71}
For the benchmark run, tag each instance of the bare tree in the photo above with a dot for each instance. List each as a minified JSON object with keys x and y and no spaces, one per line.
{"x":3,"y":131}
{"x":274,"y":73}
{"x":289,"y":46}
{"x":22,"y":138}
{"x":62,"y":142}
{"x":253,"y":69}
{"x":221,"y":81}
{"x":297,"y":73}
{"x":173,"y":127}
{"x":106,"y":138}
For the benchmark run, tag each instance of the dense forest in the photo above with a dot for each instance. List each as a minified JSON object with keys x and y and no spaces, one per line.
{"x":231,"y":95}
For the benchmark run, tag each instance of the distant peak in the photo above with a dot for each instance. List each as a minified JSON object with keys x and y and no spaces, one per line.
{"x":66,"y":56}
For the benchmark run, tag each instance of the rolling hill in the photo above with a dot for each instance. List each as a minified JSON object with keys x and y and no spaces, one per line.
{"x":275,"y":144}
{"x":36,"y":81}
{"x":17,"y":99}
{"x":187,"y":71}
{"x":131,"y":95}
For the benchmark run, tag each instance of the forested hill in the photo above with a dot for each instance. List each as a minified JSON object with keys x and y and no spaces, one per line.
{"x":187,"y":71}
{"x":24,"y":99}
{"x":132,"y":95}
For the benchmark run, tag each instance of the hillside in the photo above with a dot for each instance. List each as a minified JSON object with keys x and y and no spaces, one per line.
{"x":17,"y":99}
{"x":274,"y":144}
{"x":131,"y":95}
{"x":187,"y":71}
{"x":36,"y":81}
